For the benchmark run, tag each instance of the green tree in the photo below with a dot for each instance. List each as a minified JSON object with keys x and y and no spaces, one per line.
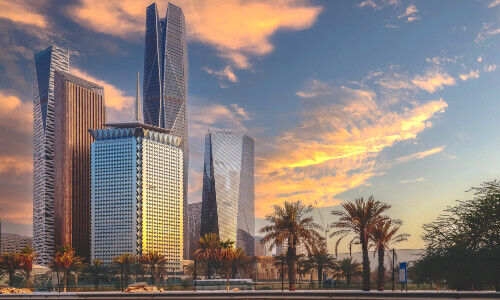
{"x":208,"y":247}
{"x":26,"y":260}
{"x":321,"y":261}
{"x":10,"y":263}
{"x":124,"y":263}
{"x":359,"y":219}
{"x":463,"y":244}
{"x":292,"y":223}
{"x":154,"y":260}
{"x":347,"y":269}
{"x":97,"y":270}
{"x":384,"y":234}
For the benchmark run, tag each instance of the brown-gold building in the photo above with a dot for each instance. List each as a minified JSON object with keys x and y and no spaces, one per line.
{"x":79,"y":106}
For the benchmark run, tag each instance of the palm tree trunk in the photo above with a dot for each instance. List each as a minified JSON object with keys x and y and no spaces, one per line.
{"x":66,"y":282}
{"x":11,"y":277}
{"x":291,"y":253}
{"x":227,"y":275}
{"x":366,"y":263}
{"x":381,"y":269}
{"x":320,"y":276}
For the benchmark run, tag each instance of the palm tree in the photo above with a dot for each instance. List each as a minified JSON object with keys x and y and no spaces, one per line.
{"x":27,"y":259}
{"x":292,"y":224}
{"x":124,"y":263}
{"x":208,"y":247}
{"x":359,"y":219}
{"x":385,"y":233}
{"x":67,"y":261}
{"x":347,"y":268}
{"x":321,"y":261}
{"x":10,"y":263}
{"x":154,"y":260}
{"x":240,"y":261}
{"x":226,"y":254}
{"x":97,"y":270}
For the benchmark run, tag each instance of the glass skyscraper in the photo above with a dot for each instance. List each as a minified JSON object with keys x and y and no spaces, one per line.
{"x":136,"y":192}
{"x":228,"y":188}
{"x":165,"y":81}
{"x":45,"y":63}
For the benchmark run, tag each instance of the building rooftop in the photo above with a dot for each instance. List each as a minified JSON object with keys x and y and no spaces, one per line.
{"x":81,"y":82}
{"x":137,"y":124}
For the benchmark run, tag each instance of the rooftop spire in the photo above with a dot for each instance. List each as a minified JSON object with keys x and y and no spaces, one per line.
{"x":138,"y":102}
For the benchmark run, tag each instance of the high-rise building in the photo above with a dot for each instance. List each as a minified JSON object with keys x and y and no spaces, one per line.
{"x":228,"y":188}
{"x":46,"y":62}
{"x":194,"y":219}
{"x":79,"y":107}
{"x":165,"y":82}
{"x":136,"y":185}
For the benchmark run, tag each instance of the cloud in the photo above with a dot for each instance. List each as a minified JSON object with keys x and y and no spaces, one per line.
{"x":378,"y":4}
{"x":369,"y":3}
{"x":489,"y":68}
{"x":471,"y":75}
{"x":314,"y":88}
{"x":410,"y":14}
{"x":237,"y":29}
{"x":420,"y":179}
{"x":114,"y":98}
{"x":223,"y":74}
{"x":122,"y":18}
{"x":335,"y":147}
{"x":440,"y":60}
{"x":205,"y":115}
{"x":23,"y":12}
{"x":420,"y":155}
{"x":480,"y":59}
{"x":494,"y":3}
{"x":433,"y":80}
{"x":16,"y":158}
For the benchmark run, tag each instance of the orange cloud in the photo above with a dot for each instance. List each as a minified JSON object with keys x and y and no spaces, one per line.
{"x":15,"y":114}
{"x":335,"y":148}
{"x":113,"y":96}
{"x":22,"y":12}
{"x":433,"y":80}
{"x":422,"y":154}
{"x":471,"y":75}
{"x":236,"y":28}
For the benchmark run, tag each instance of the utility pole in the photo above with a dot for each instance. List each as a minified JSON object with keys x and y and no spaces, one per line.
{"x":393,"y":258}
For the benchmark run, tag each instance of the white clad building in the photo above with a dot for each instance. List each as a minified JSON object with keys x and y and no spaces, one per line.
{"x":137,"y":192}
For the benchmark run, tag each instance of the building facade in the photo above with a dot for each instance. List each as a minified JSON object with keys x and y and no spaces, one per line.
{"x":136,"y":186}
{"x":194,"y":219}
{"x":79,"y":107}
{"x":228,"y":188}
{"x":165,"y":81}
{"x":46,"y":62}
{"x":12,"y":243}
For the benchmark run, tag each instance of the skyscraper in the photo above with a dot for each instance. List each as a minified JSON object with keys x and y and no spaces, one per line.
{"x":228,"y":188}
{"x":136,"y":192}
{"x":79,"y":107}
{"x":165,"y":81}
{"x":194,"y":218}
{"x":46,"y":62}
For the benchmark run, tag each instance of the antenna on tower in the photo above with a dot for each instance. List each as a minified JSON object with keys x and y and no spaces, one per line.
{"x":138,"y":102}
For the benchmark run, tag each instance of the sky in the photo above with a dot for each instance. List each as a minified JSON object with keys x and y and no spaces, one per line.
{"x":345,"y":99}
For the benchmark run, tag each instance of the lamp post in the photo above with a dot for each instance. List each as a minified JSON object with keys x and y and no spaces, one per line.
{"x":393,"y":258}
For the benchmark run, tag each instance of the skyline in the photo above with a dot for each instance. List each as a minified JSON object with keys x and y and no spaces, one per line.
{"x":332,"y":119}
